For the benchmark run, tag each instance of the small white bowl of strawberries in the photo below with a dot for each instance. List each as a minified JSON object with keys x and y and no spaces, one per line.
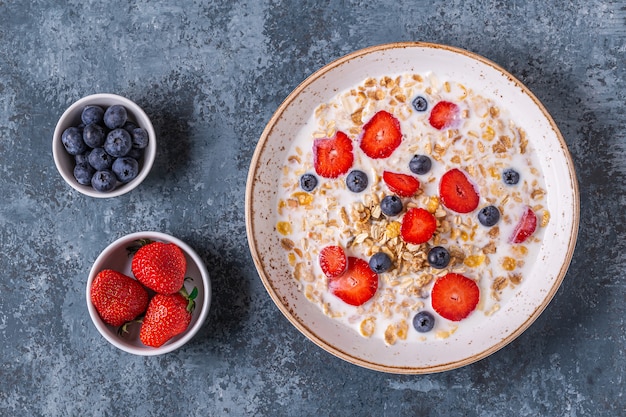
{"x":148,"y":293}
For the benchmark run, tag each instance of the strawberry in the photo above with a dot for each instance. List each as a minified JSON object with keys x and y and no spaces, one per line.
{"x":117,"y":298}
{"x":401,"y":184}
{"x":333,"y":261}
{"x":418,"y":226}
{"x":525,"y":227}
{"x":444,"y":115}
{"x":333,"y":157}
{"x":159,"y":266}
{"x":357,"y":285}
{"x":454,"y":296}
{"x":381,"y":135}
{"x":457,"y":192}
{"x":168,"y":315}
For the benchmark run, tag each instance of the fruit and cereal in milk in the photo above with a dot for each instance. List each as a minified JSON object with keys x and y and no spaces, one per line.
{"x":410,"y":205}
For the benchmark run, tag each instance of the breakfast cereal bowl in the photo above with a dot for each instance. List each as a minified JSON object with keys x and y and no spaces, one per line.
{"x":116,"y":257}
{"x":66,"y":162}
{"x":374,"y":111}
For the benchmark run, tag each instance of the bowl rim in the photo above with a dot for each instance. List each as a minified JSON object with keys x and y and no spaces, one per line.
{"x":148,"y":159}
{"x":351,"y":358}
{"x":168,"y":346}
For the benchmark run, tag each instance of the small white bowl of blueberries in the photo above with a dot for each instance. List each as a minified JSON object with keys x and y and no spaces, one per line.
{"x":104,"y":145}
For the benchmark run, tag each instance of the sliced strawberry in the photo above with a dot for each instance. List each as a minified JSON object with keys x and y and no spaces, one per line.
{"x":401,"y":184}
{"x":443,"y":115}
{"x":457,"y":192}
{"x":355,"y":286}
{"x":525,"y":227}
{"x":333,"y":157}
{"x":381,"y":135}
{"x":455,"y":296}
{"x":333,"y":261}
{"x":418,"y":226}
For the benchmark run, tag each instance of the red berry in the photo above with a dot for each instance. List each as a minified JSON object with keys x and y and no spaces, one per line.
{"x":418,"y":226}
{"x":457,"y":192}
{"x":357,"y":285}
{"x":117,"y":298}
{"x":381,"y":135}
{"x":168,"y":315}
{"x":525,"y":227}
{"x":333,"y":157}
{"x":443,"y":115}
{"x":333,"y":261}
{"x":401,"y":184}
{"x":160,"y":266}
{"x":455,"y":296}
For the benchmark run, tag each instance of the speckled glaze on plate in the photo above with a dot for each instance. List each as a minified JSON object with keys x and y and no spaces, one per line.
{"x":529,"y":299}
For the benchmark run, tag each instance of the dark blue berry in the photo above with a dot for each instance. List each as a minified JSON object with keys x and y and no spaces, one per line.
{"x":510,"y":176}
{"x":135,"y":153}
{"x":92,"y":114}
{"x":391,"y":205}
{"x":94,"y":135}
{"x":82,"y":158}
{"x":139,"y":137}
{"x":420,"y":164}
{"x":438,"y":257}
{"x":356,"y":181}
{"x":115,"y":116}
{"x":103,"y":180}
{"x":420,"y":104}
{"x":308,"y":182}
{"x":380,"y":262}
{"x":100,"y":159}
{"x":423,"y":321}
{"x":129,"y":127}
{"x":118,"y":143}
{"x":72,"y":139}
{"x":489,"y":216}
{"x":125,"y":169}
{"x":83,"y":173}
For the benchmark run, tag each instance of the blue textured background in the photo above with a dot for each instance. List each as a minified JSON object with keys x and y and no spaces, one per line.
{"x":210,"y":74}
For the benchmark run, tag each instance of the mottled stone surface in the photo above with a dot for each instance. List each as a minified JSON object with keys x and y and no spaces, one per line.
{"x":210,"y":74}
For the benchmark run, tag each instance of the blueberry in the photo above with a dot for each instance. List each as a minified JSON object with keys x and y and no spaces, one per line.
{"x":72,"y":139}
{"x":510,"y":176}
{"x":438,"y":257}
{"x":423,"y":321}
{"x":308,"y":182}
{"x":135,"y":153}
{"x":118,"y":143}
{"x":420,"y":104}
{"x":115,"y":116}
{"x":83,"y":173}
{"x":129,"y":126}
{"x":103,"y":180}
{"x":139,"y":137}
{"x":125,"y":169}
{"x":82,"y":158}
{"x":100,"y":159}
{"x":489,"y":216}
{"x":380,"y":262}
{"x":356,"y":181}
{"x":94,"y":135}
{"x":391,"y":205}
{"x":92,"y":114}
{"x":420,"y":164}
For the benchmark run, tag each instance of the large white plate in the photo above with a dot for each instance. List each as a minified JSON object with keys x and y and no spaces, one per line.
{"x":530,"y":298}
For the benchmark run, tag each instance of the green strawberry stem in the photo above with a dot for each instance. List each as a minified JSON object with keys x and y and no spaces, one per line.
{"x":190,"y":297}
{"x":137,"y":244}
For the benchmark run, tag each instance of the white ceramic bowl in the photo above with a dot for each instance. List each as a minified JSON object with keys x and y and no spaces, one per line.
{"x":115,"y":257}
{"x":71,"y":117}
{"x":529,"y":299}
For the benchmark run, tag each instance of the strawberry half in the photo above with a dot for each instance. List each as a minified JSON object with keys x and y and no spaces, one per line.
{"x":355,"y":286}
{"x":333,"y":261}
{"x":117,"y":298}
{"x":418,"y":226}
{"x":525,"y":227}
{"x":455,"y":296}
{"x":168,"y":315}
{"x":333,"y":157}
{"x":381,"y":135}
{"x":444,"y":115}
{"x":401,"y":184}
{"x":457,"y":192}
{"x":159,"y":266}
